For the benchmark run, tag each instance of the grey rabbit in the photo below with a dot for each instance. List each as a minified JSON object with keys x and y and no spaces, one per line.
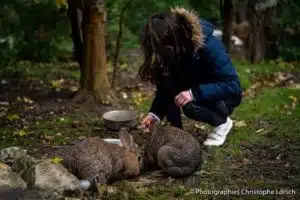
{"x":173,"y":150}
{"x":98,"y":162}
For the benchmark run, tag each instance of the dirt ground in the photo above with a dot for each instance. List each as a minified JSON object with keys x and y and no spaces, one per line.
{"x":44,"y":120}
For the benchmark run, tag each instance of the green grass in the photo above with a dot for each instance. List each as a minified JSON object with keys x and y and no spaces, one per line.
{"x":45,"y":71}
{"x":246,"y":160}
{"x":249,"y":73}
{"x":272,"y":124}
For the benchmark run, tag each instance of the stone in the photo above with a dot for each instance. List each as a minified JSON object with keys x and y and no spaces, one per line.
{"x":9,"y":179}
{"x":23,"y":163}
{"x":11,"y":154}
{"x":52,"y":177}
{"x":27,"y":194}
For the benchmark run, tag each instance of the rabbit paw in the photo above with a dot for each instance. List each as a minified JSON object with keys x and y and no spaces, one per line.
{"x":100,"y":185}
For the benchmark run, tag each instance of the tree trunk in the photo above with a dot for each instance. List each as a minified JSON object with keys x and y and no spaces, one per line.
{"x":94,"y":76}
{"x":261,"y":34}
{"x":227,"y":22}
{"x":75,"y":16}
{"x":241,"y":11}
{"x":271,"y":35}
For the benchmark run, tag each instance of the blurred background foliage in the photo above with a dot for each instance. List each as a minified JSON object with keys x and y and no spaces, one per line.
{"x":39,"y":30}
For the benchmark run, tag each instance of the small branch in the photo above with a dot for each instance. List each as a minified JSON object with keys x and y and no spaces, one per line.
{"x":118,"y":43}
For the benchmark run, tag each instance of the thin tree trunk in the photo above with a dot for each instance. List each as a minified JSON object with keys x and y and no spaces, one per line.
{"x":227,"y":22}
{"x":75,"y":16}
{"x":118,"y":43}
{"x":257,"y":37}
{"x":94,"y":73}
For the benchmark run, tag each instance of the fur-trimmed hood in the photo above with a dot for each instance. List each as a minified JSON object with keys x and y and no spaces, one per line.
{"x":202,"y":29}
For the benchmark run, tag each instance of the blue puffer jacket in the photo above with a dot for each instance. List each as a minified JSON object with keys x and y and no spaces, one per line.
{"x":209,"y":74}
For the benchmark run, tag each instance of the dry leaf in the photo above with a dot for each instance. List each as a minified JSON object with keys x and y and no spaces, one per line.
{"x":124,"y":95}
{"x":48,"y":137}
{"x":246,"y":161}
{"x":27,"y":100}
{"x":293,"y":98}
{"x":74,"y":88}
{"x":81,"y":137}
{"x":260,"y":130}
{"x":21,"y":133}
{"x":13,"y":117}
{"x":240,"y":124}
{"x":56,"y":160}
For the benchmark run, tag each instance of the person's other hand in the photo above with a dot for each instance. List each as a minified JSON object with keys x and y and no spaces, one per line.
{"x":183,"y":98}
{"x":149,"y":120}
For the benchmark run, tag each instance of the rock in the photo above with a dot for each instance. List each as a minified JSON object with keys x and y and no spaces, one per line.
{"x":26,"y":194}
{"x":11,"y":154}
{"x":18,"y":194}
{"x":23,"y":163}
{"x":53,"y":177}
{"x":9,"y":179}
{"x":4,"y":167}
{"x":71,"y":198}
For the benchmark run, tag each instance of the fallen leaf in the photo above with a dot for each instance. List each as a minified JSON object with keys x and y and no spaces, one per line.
{"x":57,"y":84}
{"x":246,"y":161}
{"x":240,"y":124}
{"x":3,"y":82}
{"x":124,"y":95}
{"x":21,"y":133}
{"x":76,"y":124}
{"x":74,"y":88}
{"x":259,"y":130}
{"x":287,"y":165}
{"x":13,"y":117}
{"x":295,"y":100}
{"x":278,"y":157}
{"x":27,"y":100}
{"x":81,"y":137}
{"x":56,"y":160}
{"x":205,"y":172}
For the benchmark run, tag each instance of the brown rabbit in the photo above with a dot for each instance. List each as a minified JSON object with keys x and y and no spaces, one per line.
{"x":98,"y":162}
{"x":172,"y":149}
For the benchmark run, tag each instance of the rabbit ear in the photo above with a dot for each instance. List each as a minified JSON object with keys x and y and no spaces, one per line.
{"x":126,"y":139}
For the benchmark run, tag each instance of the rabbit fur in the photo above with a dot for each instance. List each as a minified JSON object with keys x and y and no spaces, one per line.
{"x":99,"y":162}
{"x":175,"y":151}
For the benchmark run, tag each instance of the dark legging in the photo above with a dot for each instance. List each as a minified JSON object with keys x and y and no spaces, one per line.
{"x":214,"y":114}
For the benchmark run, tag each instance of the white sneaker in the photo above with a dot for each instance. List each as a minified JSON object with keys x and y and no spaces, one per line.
{"x":219,"y":134}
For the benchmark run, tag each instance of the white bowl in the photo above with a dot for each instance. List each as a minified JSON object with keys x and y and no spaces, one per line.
{"x":112,"y":140}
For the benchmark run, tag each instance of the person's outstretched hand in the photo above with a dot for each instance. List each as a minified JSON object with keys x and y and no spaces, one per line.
{"x":149,"y":121}
{"x":183,"y":98}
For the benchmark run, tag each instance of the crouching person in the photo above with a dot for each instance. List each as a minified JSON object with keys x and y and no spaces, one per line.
{"x":192,"y":71}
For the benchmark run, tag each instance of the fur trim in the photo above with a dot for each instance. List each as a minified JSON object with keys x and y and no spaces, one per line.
{"x":193,"y":18}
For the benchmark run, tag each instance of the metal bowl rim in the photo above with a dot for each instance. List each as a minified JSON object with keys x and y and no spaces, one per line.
{"x":131,"y":115}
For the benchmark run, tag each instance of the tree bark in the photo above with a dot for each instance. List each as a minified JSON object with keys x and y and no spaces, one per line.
{"x":75,"y":16}
{"x":227,"y":22}
{"x":94,"y":82}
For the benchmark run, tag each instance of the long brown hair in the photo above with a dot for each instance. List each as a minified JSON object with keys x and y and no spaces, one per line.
{"x":166,"y":38}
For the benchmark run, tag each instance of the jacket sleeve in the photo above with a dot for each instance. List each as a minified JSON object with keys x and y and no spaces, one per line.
{"x":160,"y":102}
{"x":226,"y":82}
